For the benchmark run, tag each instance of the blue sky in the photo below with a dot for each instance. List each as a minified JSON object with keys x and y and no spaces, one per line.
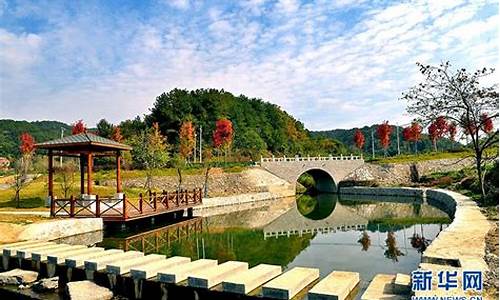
{"x":331,"y":64}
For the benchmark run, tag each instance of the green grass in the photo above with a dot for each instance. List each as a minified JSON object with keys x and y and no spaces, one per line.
{"x":421,"y":157}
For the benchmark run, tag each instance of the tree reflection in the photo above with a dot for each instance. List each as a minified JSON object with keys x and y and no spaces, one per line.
{"x":392,"y":250}
{"x":418,"y":241}
{"x":365,"y":241}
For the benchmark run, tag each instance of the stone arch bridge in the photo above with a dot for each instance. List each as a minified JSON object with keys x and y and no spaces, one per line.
{"x":327,"y":171}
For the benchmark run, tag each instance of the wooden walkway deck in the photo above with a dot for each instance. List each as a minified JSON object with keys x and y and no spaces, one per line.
{"x":126,"y":209}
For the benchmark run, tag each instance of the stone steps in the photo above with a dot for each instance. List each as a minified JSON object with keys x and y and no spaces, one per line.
{"x":336,"y":286}
{"x":75,"y":261}
{"x":123,"y":266}
{"x":151,"y":270}
{"x":210,"y":277}
{"x":289,"y":284}
{"x":247,"y":281}
{"x":180,"y":273}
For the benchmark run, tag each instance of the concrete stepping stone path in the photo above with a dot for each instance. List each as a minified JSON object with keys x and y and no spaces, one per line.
{"x":210,"y":277}
{"x":180,"y":273}
{"x":289,"y":284}
{"x":247,"y":281}
{"x":336,"y":286}
{"x":151,"y":270}
{"x":123,"y":266}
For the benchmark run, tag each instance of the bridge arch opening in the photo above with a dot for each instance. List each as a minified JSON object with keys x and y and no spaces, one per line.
{"x":317,"y":181}
{"x":316,"y":207}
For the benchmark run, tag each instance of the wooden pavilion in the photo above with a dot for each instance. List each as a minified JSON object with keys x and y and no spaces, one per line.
{"x":84,"y":146}
{"x":117,"y":208}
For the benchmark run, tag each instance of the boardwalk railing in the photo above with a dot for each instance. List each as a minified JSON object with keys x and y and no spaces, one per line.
{"x":122,"y":209}
{"x":310,"y":158}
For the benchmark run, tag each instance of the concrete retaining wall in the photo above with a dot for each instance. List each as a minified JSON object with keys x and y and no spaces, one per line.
{"x":462,"y":244}
{"x":404,"y":192}
{"x":57,"y":229}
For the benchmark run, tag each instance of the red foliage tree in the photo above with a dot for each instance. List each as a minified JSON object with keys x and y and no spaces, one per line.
{"x":79,"y":127}
{"x":437,"y":130}
{"x":186,"y":136}
{"x":413,"y":133}
{"x":27,"y":145}
{"x":117,"y":134}
{"x":384,"y":131}
{"x":487,"y":123}
{"x":359,"y":139}
{"x":223,"y":134}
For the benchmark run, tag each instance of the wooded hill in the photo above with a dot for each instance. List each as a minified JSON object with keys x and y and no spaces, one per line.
{"x":260,"y":128}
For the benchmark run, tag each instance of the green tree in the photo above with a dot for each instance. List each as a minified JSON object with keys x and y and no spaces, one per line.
{"x":104,"y":128}
{"x":150,"y":152}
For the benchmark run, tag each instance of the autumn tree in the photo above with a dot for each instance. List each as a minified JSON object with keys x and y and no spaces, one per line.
{"x":359,"y":139}
{"x":67,"y":177}
{"x":437,"y":130}
{"x":460,"y":97}
{"x":78,"y":127}
{"x":186,"y":139}
{"x":223,"y":135}
{"x":23,"y":166}
{"x":413,"y":134}
{"x":384,"y":131}
{"x":116,"y":134}
{"x":150,"y":151}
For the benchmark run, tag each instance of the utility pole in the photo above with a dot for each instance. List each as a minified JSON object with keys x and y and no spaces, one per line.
{"x":60,"y":157}
{"x":397,"y":135}
{"x":373,"y":146}
{"x":201,"y":140}
{"x":194,"y":158}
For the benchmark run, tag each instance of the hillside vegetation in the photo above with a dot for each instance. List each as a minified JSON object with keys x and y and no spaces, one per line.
{"x":346,"y":137}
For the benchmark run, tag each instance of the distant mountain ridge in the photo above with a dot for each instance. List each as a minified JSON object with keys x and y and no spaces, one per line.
{"x":10,"y":130}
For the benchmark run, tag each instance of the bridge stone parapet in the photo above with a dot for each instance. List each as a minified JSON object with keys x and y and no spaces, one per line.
{"x":327,"y":171}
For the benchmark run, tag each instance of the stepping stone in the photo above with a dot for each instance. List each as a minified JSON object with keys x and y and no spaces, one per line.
{"x":20,"y":244}
{"x":402,"y":284}
{"x":87,"y":290}
{"x":57,"y":258}
{"x":18,"y":276}
{"x":26,"y":253}
{"x":290,"y":283}
{"x":12,"y":250}
{"x":76,"y":261}
{"x":247,"y":281}
{"x":151,"y":270}
{"x":122,"y":267}
{"x":381,"y":287}
{"x":99,"y":263}
{"x":336,"y":286}
{"x":210,"y":277}
{"x":180,"y":273}
{"x":41,"y":255}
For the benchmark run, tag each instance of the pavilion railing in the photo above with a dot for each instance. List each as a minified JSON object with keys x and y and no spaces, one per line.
{"x":125,"y":208}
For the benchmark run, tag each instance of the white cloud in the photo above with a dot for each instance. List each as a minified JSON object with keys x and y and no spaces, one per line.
{"x":180,"y":4}
{"x":326,"y":69}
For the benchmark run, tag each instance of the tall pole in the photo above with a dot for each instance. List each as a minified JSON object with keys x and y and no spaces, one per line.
{"x":60,"y":157}
{"x":195,"y":141}
{"x":201,"y":140}
{"x":373,"y":146}
{"x":397,"y":135}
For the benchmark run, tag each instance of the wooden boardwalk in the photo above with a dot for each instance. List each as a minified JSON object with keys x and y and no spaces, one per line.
{"x":126,"y":209}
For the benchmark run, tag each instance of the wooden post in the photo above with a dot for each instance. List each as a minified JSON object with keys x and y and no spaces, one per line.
{"x":97,"y":206}
{"x":166,"y":199}
{"x":51,"y":176}
{"x":72,"y":206}
{"x":154,"y":200}
{"x":82,"y":174}
{"x":177,"y":197}
{"x":89,"y":173}
{"x":140,"y":202}
{"x":125,"y":214}
{"x":118,"y":172}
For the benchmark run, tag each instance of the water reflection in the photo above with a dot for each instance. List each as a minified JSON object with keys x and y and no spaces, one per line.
{"x":352,"y":234}
{"x":316,"y":207}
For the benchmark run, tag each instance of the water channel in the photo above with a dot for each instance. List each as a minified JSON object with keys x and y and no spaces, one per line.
{"x":325,"y":231}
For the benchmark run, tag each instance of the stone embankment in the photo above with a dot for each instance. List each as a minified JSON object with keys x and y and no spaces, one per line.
{"x":252,"y":180}
{"x":49,"y":230}
{"x":392,"y":174}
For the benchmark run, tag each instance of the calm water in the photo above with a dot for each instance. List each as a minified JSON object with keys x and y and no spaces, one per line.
{"x":325,"y":232}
